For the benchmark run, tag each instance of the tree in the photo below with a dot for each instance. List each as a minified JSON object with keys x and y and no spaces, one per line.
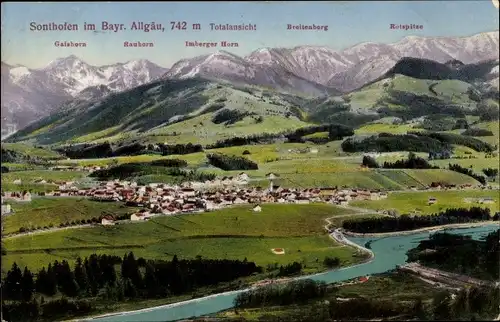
{"x":51,"y":280}
{"x":81,"y":277}
{"x":150,"y":281}
{"x":370,"y":162}
{"x":27,"y":285}
{"x":490,"y":172}
{"x":12,"y":283}
{"x":441,"y":306}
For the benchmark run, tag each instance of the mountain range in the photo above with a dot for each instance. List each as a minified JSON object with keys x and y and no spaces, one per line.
{"x":28,"y":95}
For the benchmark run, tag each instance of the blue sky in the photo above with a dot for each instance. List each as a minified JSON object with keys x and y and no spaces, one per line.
{"x":349,"y":23}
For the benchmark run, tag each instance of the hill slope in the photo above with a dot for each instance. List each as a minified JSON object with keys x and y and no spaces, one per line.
{"x":154,"y":109}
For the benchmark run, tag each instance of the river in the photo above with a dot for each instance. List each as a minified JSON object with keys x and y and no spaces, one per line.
{"x":389,"y":252}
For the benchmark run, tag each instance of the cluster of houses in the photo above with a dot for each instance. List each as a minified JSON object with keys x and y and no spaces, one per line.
{"x":90,"y":168}
{"x":13,"y":196}
{"x":164,"y":199}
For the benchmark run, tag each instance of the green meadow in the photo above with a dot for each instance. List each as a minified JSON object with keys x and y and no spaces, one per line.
{"x":406,"y":202}
{"x":45,"y":212}
{"x":233,"y":233}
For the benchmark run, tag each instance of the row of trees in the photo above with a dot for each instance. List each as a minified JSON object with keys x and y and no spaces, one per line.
{"x":440,"y":122}
{"x":407,"y":222}
{"x":106,"y":150}
{"x":231,"y":162}
{"x":90,"y":221}
{"x":296,"y":301}
{"x":461,"y":254}
{"x":415,"y":142}
{"x":96,"y":275}
{"x":412,"y":162}
{"x":171,"y":168}
{"x":385,"y":142}
{"x":46,"y":311}
{"x":335,"y":132}
{"x":457,"y":139}
{"x":281,"y":294}
{"x":490,"y":172}
{"x":466,"y":171}
{"x":477,"y":132}
{"x":229,"y":116}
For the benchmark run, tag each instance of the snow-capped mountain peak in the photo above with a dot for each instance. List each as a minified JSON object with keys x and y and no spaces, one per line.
{"x":37,"y":92}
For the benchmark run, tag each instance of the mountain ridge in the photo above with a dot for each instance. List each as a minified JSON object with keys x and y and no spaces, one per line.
{"x":313,"y":70}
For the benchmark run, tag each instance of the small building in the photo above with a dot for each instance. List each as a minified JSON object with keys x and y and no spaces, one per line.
{"x":137,"y":216}
{"x":26,"y":196}
{"x":17,"y":181}
{"x":487,"y":200}
{"x":6,"y":209}
{"x":257,"y":208}
{"x":271,"y":176}
{"x":243,"y":177}
{"x":107,"y":220}
{"x":432,"y":201}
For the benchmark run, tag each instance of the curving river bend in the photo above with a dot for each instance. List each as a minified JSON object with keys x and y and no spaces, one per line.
{"x":389,"y":252}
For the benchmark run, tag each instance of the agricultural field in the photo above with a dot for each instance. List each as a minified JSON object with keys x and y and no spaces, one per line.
{"x":375,"y":128}
{"x":233,"y":233}
{"x":29,"y":177}
{"x":477,"y":163}
{"x":411,"y":201}
{"x":29,"y":150}
{"x":45,"y":212}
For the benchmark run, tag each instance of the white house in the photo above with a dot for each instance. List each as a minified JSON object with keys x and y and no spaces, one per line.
{"x":432,"y":200}
{"x":107,"y":221}
{"x":17,"y":181}
{"x":6,"y":209}
{"x":257,"y":208}
{"x":137,"y":216}
{"x":243,"y":177}
{"x":26,"y":196}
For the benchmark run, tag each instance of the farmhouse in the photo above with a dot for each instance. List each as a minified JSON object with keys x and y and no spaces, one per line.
{"x":432,"y":201}
{"x":257,"y":208}
{"x":107,"y":220}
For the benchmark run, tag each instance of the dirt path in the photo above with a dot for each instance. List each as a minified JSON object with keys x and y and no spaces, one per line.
{"x":443,"y":276}
{"x":43,"y":231}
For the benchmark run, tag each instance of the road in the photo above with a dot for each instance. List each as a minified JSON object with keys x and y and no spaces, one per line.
{"x":443,"y":276}
{"x":42,"y":231}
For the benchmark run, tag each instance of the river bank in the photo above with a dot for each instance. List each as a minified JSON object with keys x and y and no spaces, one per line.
{"x":387,"y":257}
{"x":422,"y":230}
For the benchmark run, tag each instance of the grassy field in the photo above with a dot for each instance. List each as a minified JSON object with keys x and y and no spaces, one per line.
{"x":27,"y":149}
{"x":493,"y":127}
{"x":229,"y":233}
{"x":43,"y":212}
{"x":386,"y":128}
{"x":477,"y":164}
{"x":258,"y":153}
{"x":406,"y":202}
{"x":368,"y":179}
{"x":28,"y":179}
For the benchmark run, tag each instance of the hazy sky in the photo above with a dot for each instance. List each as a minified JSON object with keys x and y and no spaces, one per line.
{"x":349,"y":23}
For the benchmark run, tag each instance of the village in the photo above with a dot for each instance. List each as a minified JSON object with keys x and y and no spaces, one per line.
{"x":190,"y":197}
